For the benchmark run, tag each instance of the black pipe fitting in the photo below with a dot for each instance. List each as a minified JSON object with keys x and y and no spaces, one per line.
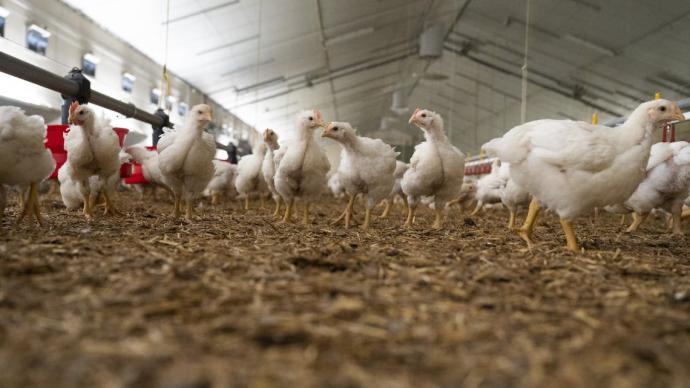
{"x":82,"y":96}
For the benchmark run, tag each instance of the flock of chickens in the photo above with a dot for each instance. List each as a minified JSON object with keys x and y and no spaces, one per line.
{"x":568,"y":167}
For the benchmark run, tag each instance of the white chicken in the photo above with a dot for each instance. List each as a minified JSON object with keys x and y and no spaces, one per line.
{"x":489,"y":187}
{"x":571,"y":167}
{"x":303,"y":167}
{"x":367,"y":167}
{"x":513,"y":196}
{"x":467,"y":196}
{"x":336,"y":186}
{"x":250,"y":181}
{"x":24,"y":159}
{"x":70,"y":190}
{"x":93,"y":150}
{"x":400,"y":168}
{"x":436,"y":168}
{"x":186,"y":157}
{"x":148,"y":159}
{"x":268,"y":166}
{"x":665,"y":187}
{"x":223,"y":182}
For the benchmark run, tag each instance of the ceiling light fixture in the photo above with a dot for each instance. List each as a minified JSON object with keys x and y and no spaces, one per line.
{"x":4,"y":12}
{"x":203,"y":11}
{"x":226,"y":45}
{"x":247,"y":67}
{"x":349,"y":36}
{"x":262,"y":84}
{"x":590,"y":45}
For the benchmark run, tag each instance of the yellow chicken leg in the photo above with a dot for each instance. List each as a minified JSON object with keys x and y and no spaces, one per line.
{"x":526,"y":232}
{"x":287,"y":218}
{"x":367,"y":218}
{"x":676,"y":223}
{"x":570,"y":237}
{"x":88,"y":208}
{"x":410,"y":216}
{"x":438,"y":220}
{"x":189,"y":211}
{"x":387,"y":209}
{"x":305,"y":214}
{"x":31,"y":205}
{"x":476,"y":209}
{"x":638,"y":219}
{"x":511,"y":220}
{"x":246,"y":203}
{"x":348,"y":211}
{"x":177,"y":206}
{"x":276,"y":213}
{"x":215,"y":198}
{"x":110,"y":209}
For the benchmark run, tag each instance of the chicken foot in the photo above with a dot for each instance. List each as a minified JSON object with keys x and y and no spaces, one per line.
{"x":31,"y":205}
{"x":638,"y":219}
{"x":387,"y":209}
{"x":571,"y":238}
{"x":438,"y":221}
{"x":110,"y":209}
{"x":526,"y":232}
{"x":287,"y":218}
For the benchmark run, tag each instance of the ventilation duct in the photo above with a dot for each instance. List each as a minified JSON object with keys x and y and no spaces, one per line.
{"x":431,"y":41}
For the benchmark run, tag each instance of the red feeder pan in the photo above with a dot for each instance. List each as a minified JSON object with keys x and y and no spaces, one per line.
{"x":137,"y":172}
{"x":55,"y":142}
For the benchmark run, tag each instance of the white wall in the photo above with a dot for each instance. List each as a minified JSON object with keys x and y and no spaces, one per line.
{"x":73,"y":35}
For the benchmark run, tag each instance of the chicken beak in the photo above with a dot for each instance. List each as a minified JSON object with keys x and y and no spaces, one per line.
{"x":326,"y":130}
{"x":413,"y":118}
{"x":208,"y":117}
{"x":678,"y":115}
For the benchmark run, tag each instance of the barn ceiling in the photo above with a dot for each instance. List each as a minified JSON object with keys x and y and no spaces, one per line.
{"x":267,"y":59}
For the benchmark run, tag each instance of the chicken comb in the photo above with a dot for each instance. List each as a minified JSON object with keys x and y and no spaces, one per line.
{"x":73,"y":106}
{"x":317,"y":113}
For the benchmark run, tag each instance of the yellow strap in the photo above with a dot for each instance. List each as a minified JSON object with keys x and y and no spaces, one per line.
{"x":657,"y":95}
{"x":166,"y":81}
{"x":595,"y":118}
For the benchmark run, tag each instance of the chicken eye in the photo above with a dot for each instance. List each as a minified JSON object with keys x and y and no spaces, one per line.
{"x":81,"y":113}
{"x":663,"y":109}
{"x":199,"y":112}
{"x":423,"y":115}
{"x":311,"y":118}
{"x":335,"y":128}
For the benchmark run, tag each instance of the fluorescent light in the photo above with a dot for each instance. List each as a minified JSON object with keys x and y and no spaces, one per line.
{"x":226,"y":45}
{"x":203,"y":11}
{"x":349,"y":36}
{"x":92,"y":58}
{"x":590,"y":45}
{"x":44,"y":33}
{"x":4,"y":12}
{"x":129,"y":76}
{"x":247,"y":67}
{"x":156,"y":91}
